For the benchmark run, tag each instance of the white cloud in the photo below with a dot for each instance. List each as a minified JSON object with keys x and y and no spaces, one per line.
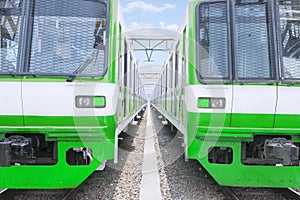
{"x":136,"y":25}
{"x":152,"y":33}
{"x":147,"y":7}
{"x":172,"y":27}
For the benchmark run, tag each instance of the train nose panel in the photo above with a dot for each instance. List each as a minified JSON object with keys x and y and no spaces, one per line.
{"x":11,"y":110}
{"x":62,"y":104}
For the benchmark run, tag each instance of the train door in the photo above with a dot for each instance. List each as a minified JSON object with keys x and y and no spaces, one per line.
{"x":214,"y":96}
{"x":182,"y":76}
{"x":10,"y":85}
{"x":166,"y":88}
{"x":161,"y":90}
{"x":130,"y":87}
{"x":255,"y":91}
{"x":288,"y":110}
{"x":125,"y":79}
{"x":134,"y":87}
{"x":170,"y":86}
{"x":177,"y":84}
{"x":120,"y":74}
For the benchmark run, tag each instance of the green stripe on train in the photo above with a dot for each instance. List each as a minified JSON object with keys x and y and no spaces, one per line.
{"x":206,"y":131}
{"x":58,"y":124}
{"x":237,"y":174}
{"x":60,"y":175}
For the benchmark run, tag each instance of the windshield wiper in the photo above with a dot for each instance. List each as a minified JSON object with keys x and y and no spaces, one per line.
{"x":77,"y":71}
{"x":31,"y":74}
{"x":12,"y":74}
{"x":91,"y":58}
{"x":70,"y":78}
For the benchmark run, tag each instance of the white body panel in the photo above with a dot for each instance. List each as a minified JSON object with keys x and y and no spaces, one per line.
{"x":288,"y":100}
{"x":254,"y":99}
{"x":10,"y":98}
{"x":246,"y":99}
{"x":58,"y":99}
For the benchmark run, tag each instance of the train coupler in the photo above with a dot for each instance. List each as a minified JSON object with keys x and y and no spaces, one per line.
{"x":281,"y":149}
{"x":15,"y":148}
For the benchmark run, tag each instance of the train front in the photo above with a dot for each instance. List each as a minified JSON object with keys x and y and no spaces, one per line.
{"x":57,"y":101}
{"x":244,"y":119}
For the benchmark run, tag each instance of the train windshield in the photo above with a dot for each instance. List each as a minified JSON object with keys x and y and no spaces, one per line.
{"x":10,"y":13}
{"x":254,"y":39}
{"x":289,"y":11}
{"x":213,"y":41}
{"x":68,"y":37}
{"x":247,"y":41}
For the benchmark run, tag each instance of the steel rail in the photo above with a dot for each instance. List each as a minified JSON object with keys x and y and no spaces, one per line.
{"x":229,"y":194}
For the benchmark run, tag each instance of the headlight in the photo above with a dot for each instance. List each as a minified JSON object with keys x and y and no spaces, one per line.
{"x":90,"y":102}
{"x":213,"y":103}
{"x":203,"y":103}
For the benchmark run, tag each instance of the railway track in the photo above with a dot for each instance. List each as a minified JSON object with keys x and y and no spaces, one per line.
{"x":291,"y":193}
{"x":229,"y":193}
{"x":11,"y":194}
{"x":71,"y":193}
{"x":66,"y":194}
{"x":2,"y":190}
{"x":7,"y":194}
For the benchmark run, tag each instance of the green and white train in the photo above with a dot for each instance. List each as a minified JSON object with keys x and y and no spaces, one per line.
{"x":69,"y":85}
{"x":231,"y":86}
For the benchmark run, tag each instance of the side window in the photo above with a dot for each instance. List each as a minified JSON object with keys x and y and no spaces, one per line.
{"x":130,"y":72}
{"x":134,"y":78}
{"x":166,"y":86}
{"x":170,"y":68}
{"x":162,"y":85}
{"x":177,"y":57}
{"x":290,"y":41}
{"x":10,"y":13}
{"x":121,"y":55}
{"x":212,"y":47}
{"x":125,"y":63}
{"x":166,"y":79}
{"x":183,"y":61}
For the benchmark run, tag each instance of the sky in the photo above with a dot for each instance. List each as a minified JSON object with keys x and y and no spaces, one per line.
{"x":166,"y":14}
{"x":158,"y":14}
